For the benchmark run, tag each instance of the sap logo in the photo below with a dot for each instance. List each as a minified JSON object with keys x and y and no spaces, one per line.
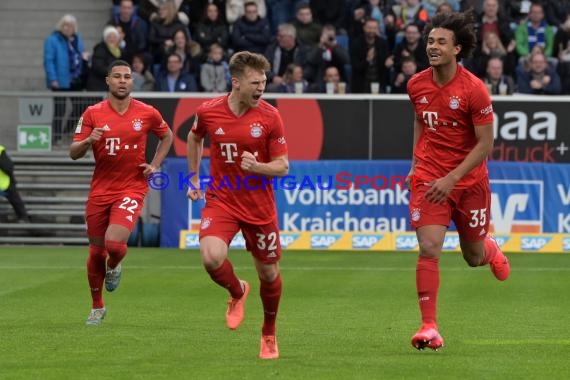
{"x":323,"y":241}
{"x":516,"y":206}
{"x":451,"y":243}
{"x":365,"y":241}
{"x":287,"y":240}
{"x":192,"y":240}
{"x":238,"y":242}
{"x":566,"y":244}
{"x":501,"y":239}
{"x":534,"y":243}
{"x":406,"y":242}
{"x":516,"y":126}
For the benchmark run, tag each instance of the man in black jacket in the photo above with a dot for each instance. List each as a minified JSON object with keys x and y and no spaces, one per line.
{"x":369,"y":52}
{"x":8,"y":186}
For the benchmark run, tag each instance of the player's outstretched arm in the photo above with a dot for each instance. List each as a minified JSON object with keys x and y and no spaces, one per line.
{"x":78,"y":149}
{"x":278,"y":166}
{"x":479,"y":153}
{"x":417,"y":133}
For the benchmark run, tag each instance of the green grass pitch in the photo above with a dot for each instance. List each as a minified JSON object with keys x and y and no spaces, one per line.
{"x":343,"y":315}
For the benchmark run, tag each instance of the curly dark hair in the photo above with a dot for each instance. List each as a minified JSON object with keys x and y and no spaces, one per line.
{"x":462,"y":24}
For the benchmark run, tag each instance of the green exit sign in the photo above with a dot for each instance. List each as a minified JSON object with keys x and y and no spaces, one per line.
{"x":34,"y":138}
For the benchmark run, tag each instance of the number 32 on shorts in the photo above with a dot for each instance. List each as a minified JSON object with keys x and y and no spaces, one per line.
{"x":478,"y":218}
{"x":129,"y":204}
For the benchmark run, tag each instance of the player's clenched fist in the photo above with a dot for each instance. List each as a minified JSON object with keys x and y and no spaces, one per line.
{"x":248,"y":161}
{"x":96,"y":134}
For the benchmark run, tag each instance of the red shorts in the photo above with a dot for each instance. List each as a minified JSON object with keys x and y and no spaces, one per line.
{"x":470,"y":210}
{"x":261,"y":240}
{"x":123,"y":209}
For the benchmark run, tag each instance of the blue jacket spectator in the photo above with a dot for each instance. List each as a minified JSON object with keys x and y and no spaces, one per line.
{"x":539,"y":79}
{"x":251,"y":32}
{"x":63,"y":56}
{"x":174,"y":80}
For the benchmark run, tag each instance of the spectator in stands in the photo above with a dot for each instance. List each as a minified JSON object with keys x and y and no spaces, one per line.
{"x":412,"y":45}
{"x":407,"y":69}
{"x":236,"y":9}
{"x":490,"y":20}
{"x":496,"y":81}
{"x":410,"y":12}
{"x":190,"y":51}
{"x":331,"y":75}
{"x":162,"y":30}
{"x":516,"y":10}
{"x":284,"y":51}
{"x":540,"y":78}
{"x":534,"y":32}
{"x":198,"y":10}
{"x":491,"y":46}
{"x":215,"y":72}
{"x":561,"y":51}
{"x":308,"y":31}
{"x":369,"y":53}
{"x":211,"y":29}
{"x":104,"y":53}
{"x":143,"y":80}
{"x":292,"y":77}
{"x":437,"y":6}
{"x":332,"y":12}
{"x":281,"y":11}
{"x":477,"y":5}
{"x":135,"y":29}
{"x":149,"y":10}
{"x":556,"y":12}
{"x":174,"y":79}
{"x":65,"y":65}
{"x":443,"y":8}
{"x":8,"y":187}
{"x":327,"y":53}
{"x":251,"y":32}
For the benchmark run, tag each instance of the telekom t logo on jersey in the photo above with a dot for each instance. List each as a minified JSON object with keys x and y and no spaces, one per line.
{"x":113,"y":144}
{"x":430,"y":118}
{"x":229,"y":151}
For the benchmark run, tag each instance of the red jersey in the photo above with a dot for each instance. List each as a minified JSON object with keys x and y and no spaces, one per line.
{"x":121,"y":149}
{"x":244,"y":195}
{"x":449,"y":115}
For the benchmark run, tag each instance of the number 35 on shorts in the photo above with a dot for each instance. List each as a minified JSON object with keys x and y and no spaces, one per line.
{"x":478,"y":218}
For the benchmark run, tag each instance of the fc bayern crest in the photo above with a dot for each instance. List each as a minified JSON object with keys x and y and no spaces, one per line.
{"x":454,"y":102}
{"x":206,"y":223}
{"x":137,"y":124}
{"x":256,"y":130}
{"x":416,"y":214}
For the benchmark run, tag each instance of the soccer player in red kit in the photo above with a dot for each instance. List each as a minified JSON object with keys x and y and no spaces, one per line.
{"x":247,"y":144}
{"x":448,"y":179}
{"x":116,"y":130}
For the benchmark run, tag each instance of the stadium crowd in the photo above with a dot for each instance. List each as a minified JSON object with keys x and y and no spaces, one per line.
{"x":356,"y":46}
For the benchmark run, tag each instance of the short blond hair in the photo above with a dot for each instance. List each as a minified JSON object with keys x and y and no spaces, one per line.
{"x":246,"y":59}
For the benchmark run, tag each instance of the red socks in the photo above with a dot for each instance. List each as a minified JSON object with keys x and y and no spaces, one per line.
{"x":427,"y":284}
{"x":225,"y":277}
{"x":270,"y":293}
{"x":96,"y":273}
{"x":117,"y":251}
{"x":490,"y":251}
